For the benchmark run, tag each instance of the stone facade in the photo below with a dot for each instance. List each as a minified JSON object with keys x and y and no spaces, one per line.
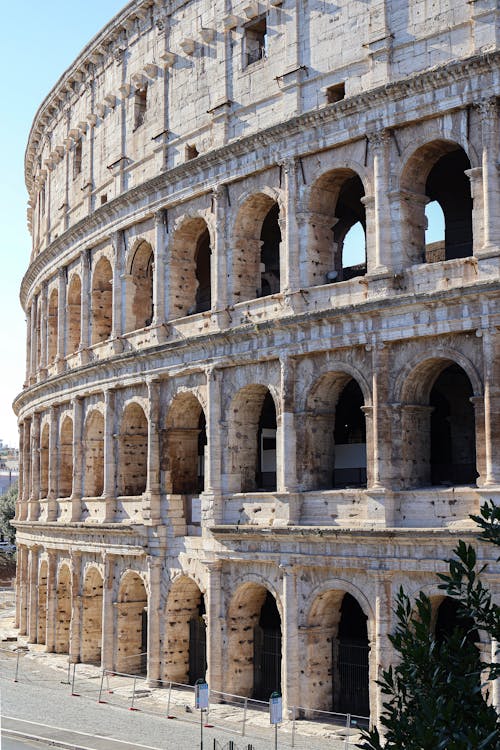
{"x":232,"y":431}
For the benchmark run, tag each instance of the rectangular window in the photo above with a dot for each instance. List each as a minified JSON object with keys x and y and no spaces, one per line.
{"x":77,"y":159}
{"x":140,"y":106}
{"x":255,"y":41}
{"x":335,"y":93}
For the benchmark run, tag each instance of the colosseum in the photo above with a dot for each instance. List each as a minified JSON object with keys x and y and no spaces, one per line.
{"x":260,"y":394}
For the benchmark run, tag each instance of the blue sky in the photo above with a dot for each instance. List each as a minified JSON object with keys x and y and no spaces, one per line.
{"x":39,"y":41}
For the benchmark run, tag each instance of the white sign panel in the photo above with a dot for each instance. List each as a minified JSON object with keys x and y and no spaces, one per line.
{"x":275,"y":709}
{"x":201,"y":695}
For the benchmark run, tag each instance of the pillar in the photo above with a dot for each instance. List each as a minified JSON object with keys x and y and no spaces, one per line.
{"x":211,"y":500}
{"x":108,"y":613}
{"x":215,"y":624}
{"x":85,"y":267}
{"x":61,"y":319}
{"x":152,"y":503}
{"x":52,"y":494}
{"x":117,"y":290}
{"x":77,"y":477}
{"x":491,"y":369}
{"x":290,"y":666}
{"x":22,"y":589}
{"x":33,"y":342}
{"x":28,"y":347}
{"x":218,"y":262}
{"x":34,"y":502}
{"x":488,"y":113}
{"x":154,"y":657}
{"x":381,"y":650}
{"x":378,"y":235}
{"x":21,"y":500}
{"x":160,"y":253}
{"x":32,"y":594}
{"x":51,"y":600}
{"x":289,"y":250}
{"x":109,"y":494}
{"x":43,"y":332}
{"x":75,"y":629}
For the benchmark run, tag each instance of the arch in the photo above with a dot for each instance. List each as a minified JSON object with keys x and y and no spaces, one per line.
{"x":438,"y":425}
{"x":338,"y":653}
{"x":93,"y":445}
{"x":255,"y":270}
{"x":186,"y":438}
{"x":41,"y":636}
{"x":91,"y":642}
{"x":139,"y":310}
{"x":435,"y":171}
{"x":333,"y":450}
{"x":44,"y":460}
{"x":133,"y":451}
{"x":251,"y":442}
{"x":190,"y":268}
{"x":74,"y":314}
{"x":254,"y":642}
{"x":52,"y":326}
{"x":185,"y":632}
{"x":335,"y":209}
{"x":65,"y":461}
{"x":102,"y":301}
{"x":63,"y":610}
{"x":131,"y":655}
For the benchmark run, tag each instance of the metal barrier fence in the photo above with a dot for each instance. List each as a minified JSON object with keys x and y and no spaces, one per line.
{"x":246,"y":717}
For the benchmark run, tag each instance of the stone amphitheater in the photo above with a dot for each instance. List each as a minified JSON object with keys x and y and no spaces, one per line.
{"x":263,"y":351}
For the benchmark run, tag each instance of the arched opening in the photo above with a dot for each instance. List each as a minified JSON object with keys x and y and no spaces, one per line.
{"x":92,"y":617}
{"x":93,"y":442}
{"x":438,"y":420}
{"x":337,"y":654}
{"x":185,"y":658}
{"x":52,"y":327}
{"x":333,"y":451}
{"x":65,"y":479}
{"x":190,"y":269}
{"x":453,"y":442}
{"x":44,"y":461}
{"x":133,"y":451}
{"x":102,"y":301}
{"x":435,"y":173}
{"x":256,"y":254}
{"x":252,"y":440}
{"x":74,"y":314}
{"x":139,"y":313}
{"x":63,"y":611}
{"x":131,"y":657}
{"x":41,"y":636}
{"x":337,"y":228}
{"x":254,"y":648}
{"x":448,"y":619}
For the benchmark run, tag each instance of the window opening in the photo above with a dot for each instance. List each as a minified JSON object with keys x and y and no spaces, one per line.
{"x":140,"y":106}
{"x":349,"y":231}
{"x":77,"y":159}
{"x":350,"y":438}
{"x":198,"y":644}
{"x":191,"y":152}
{"x":350,"y":679}
{"x":267,"y":650}
{"x":266,"y":446}
{"x":255,"y":41}
{"x":434,"y":233}
{"x":270,"y":238}
{"x":335,"y":93}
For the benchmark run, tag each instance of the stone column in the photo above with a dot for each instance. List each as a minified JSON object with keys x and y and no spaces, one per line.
{"x":33,"y":594}
{"x":22,"y":588}
{"x":86,"y":302}
{"x":488,"y":112}
{"x":52,"y":494}
{"x":108,"y":613}
{"x":159,"y":269}
{"x":491,"y":368}
{"x":43,"y":328}
{"x":33,"y":341}
{"x":290,"y":662}
{"x":381,"y":650}
{"x":75,"y":628}
{"x":117,"y":285}
{"x":77,"y":476}
{"x":211,"y":500}
{"x":378,"y":236}
{"x":151,"y":508}
{"x":20,"y":504}
{"x":215,"y":623}
{"x":289,"y":250}
{"x":61,"y":319}
{"x":495,"y":685}
{"x":34,"y":502}
{"x":109,"y":494}
{"x":26,"y":484}
{"x":51,"y":601}
{"x":218,"y":262}
{"x":28,"y":348}
{"x":154,"y":615}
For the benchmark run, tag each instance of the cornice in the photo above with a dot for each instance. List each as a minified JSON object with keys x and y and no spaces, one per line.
{"x":195,"y":170}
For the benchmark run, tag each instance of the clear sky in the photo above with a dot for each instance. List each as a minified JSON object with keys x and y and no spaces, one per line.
{"x":39,"y":40}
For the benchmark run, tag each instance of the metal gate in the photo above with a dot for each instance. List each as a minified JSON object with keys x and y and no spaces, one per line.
{"x":197,"y":649}
{"x":353,"y":677}
{"x":266,"y":662}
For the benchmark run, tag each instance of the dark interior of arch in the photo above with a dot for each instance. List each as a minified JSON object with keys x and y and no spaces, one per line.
{"x":448,"y":619}
{"x":350,"y":689}
{"x":270,"y":237}
{"x":267,"y":650}
{"x":203,"y":290}
{"x":266,"y":446}
{"x":453,"y":445}
{"x":202,"y":441}
{"x":450,"y":187}
{"x":198,"y":644}
{"x":349,"y":211}
{"x":350,"y":438}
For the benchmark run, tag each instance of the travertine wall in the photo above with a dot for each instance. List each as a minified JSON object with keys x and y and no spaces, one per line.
{"x":220,"y":406}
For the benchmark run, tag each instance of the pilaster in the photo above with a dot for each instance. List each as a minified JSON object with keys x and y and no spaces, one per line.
{"x":34,"y":502}
{"x":77,"y":476}
{"x":151,"y":502}
{"x":211,"y":500}
{"x":109,"y":494}
{"x":53,"y":464}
